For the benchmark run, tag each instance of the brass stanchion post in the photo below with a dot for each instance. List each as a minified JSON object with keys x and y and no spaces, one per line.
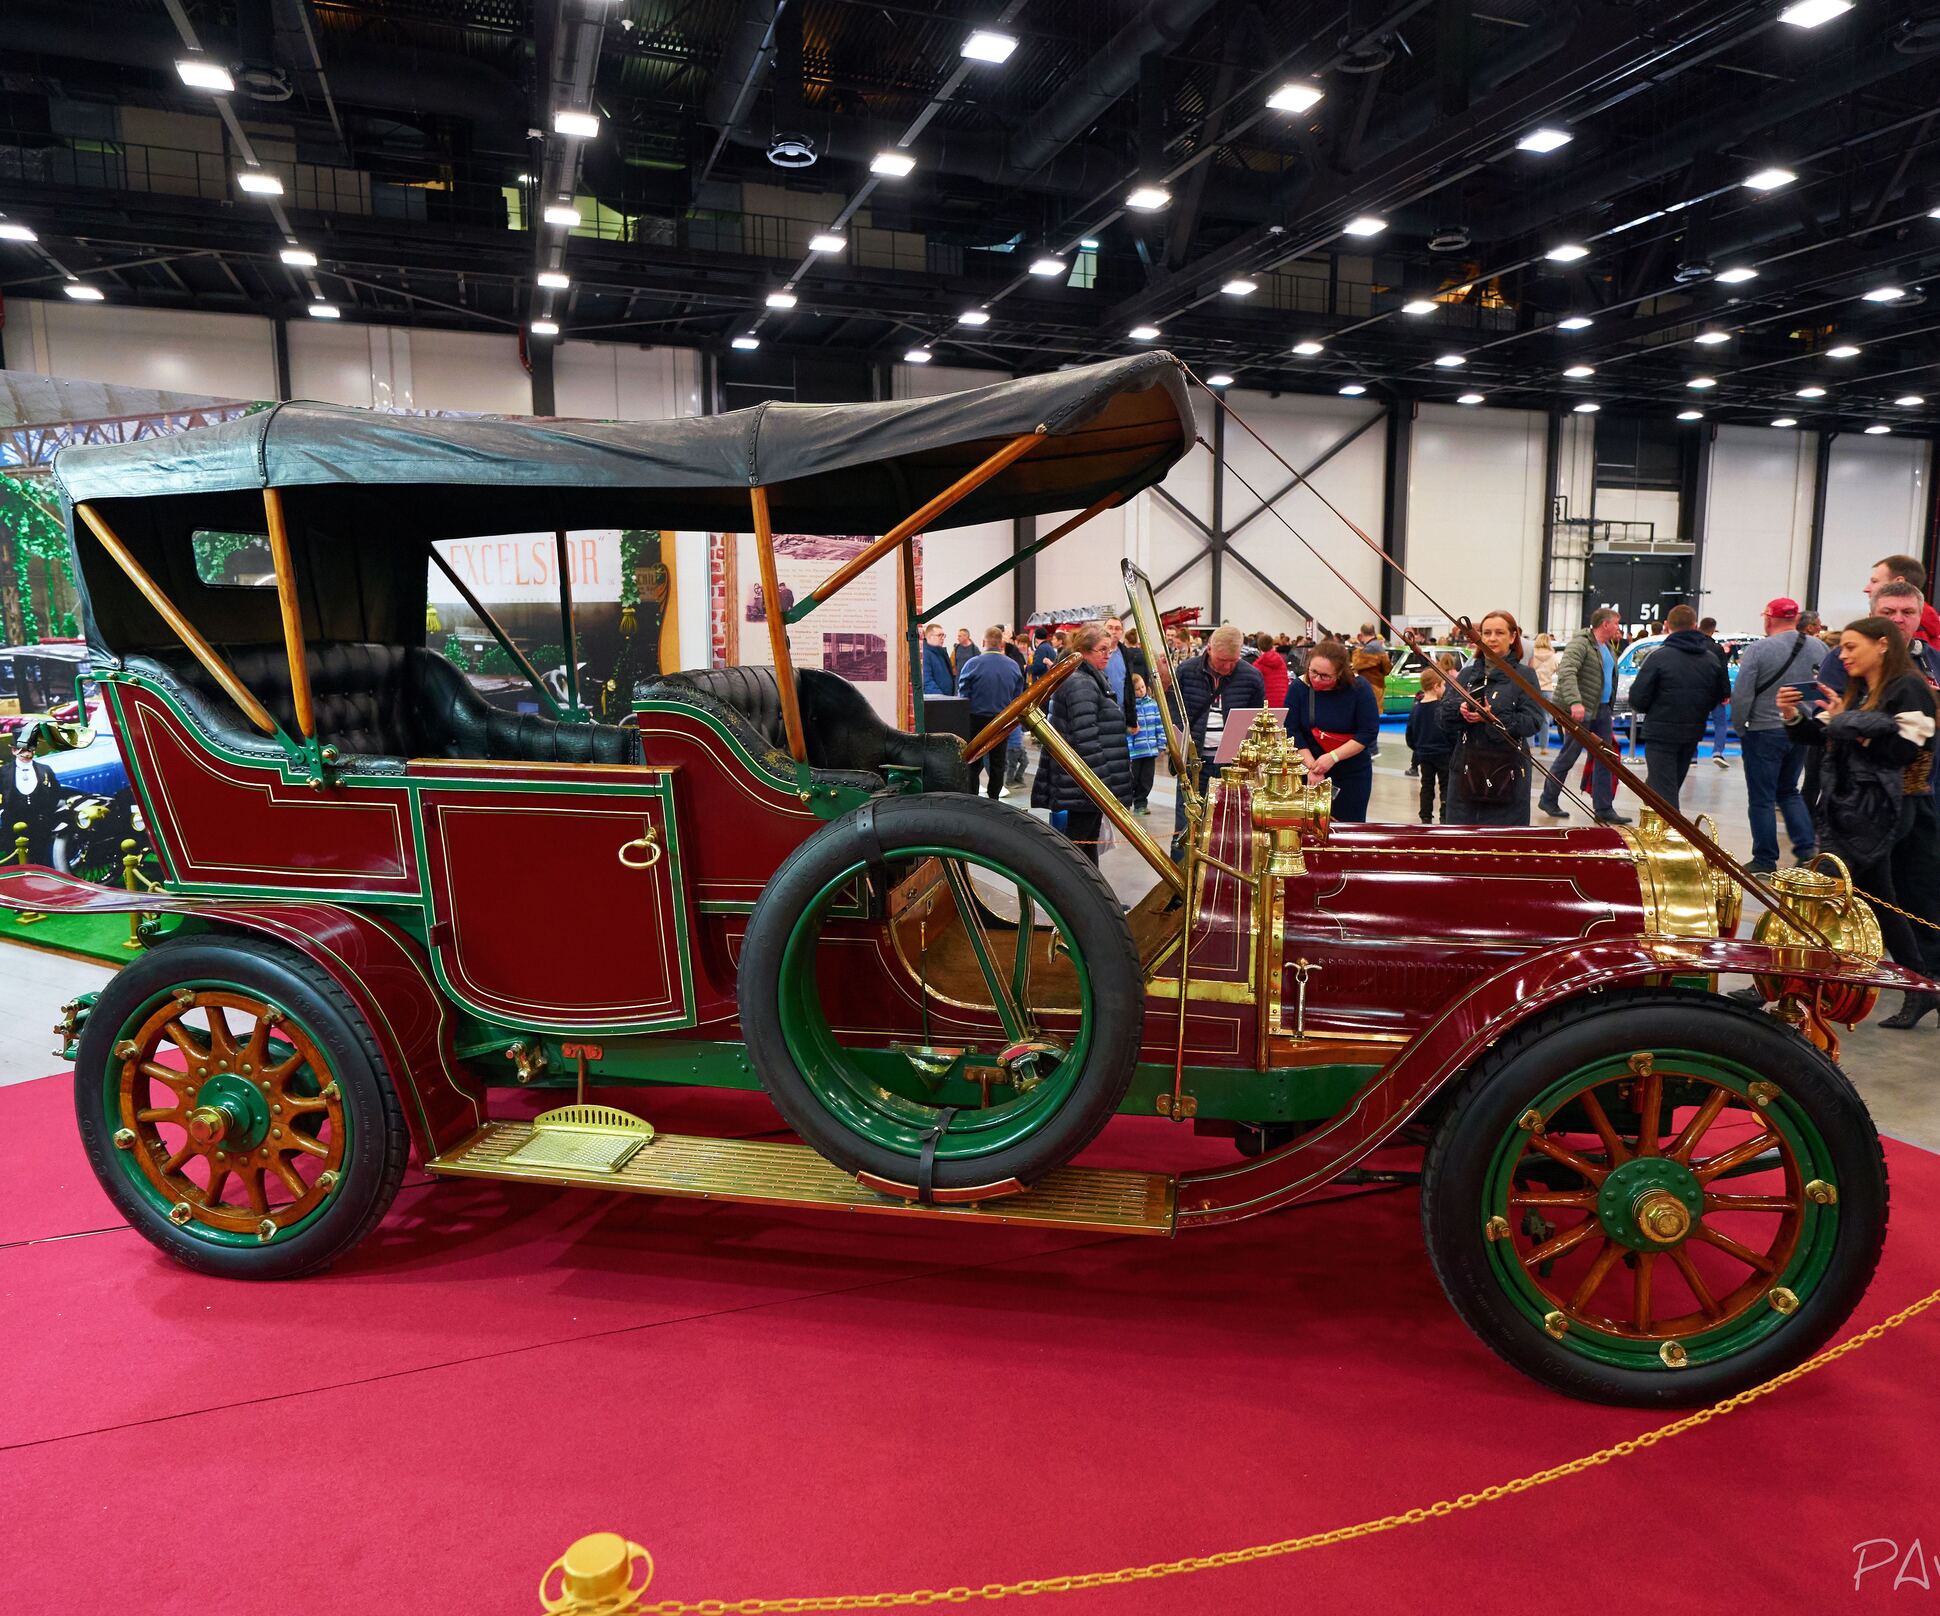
{"x":129,"y":879}
{"x":22,"y":917}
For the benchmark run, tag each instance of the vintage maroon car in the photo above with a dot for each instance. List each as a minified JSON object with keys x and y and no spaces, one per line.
{"x":387,"y":902}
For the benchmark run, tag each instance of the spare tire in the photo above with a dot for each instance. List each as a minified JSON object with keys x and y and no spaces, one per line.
{"x":910,"y":1116}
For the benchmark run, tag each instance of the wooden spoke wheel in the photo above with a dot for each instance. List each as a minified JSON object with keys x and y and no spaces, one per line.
{"x":235,"y":1106}
{"x":1660,"y":1197}
{"x":227,"y":1110}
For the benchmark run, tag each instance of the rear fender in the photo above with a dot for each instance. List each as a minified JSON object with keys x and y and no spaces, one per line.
{"x":381,"y":971}
{"x":1468,"y":1027}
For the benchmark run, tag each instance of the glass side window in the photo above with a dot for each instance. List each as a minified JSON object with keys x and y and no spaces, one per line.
{"x":233,"y":560}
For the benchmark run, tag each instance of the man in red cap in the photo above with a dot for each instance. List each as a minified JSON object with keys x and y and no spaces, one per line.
{"x":1783,"y":657}
{"x":1906,"y":569}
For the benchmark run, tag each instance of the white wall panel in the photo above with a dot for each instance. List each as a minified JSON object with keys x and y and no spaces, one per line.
{"x":176,"y":350}
{"x":954,"y":556}
{"x":336,"y":362}
{"x":1475,"y":511}
{"x":1302,"y":429}
{"x":1758,"y":523}
{"x":610,"y":381}
{"x":1876,"y":501}
{"x":469,"y":370}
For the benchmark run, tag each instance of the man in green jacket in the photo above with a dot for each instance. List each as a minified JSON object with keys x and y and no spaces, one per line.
{"x":1586,"y":689}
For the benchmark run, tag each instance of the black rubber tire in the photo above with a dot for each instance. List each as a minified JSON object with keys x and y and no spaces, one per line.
{"x":379,"y":1142}
{"x":1500,"y":1087}
{"x":1020,"y":843}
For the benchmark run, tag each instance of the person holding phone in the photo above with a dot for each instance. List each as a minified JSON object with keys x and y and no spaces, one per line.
{"x":1489,"y":718}
{"x":1877,"y":734}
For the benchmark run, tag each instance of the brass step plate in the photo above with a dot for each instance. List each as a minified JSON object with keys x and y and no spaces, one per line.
{"x":1104,"y":1200}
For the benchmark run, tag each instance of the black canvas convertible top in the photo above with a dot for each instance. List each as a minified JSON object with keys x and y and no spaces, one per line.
{"x":836,"y":468}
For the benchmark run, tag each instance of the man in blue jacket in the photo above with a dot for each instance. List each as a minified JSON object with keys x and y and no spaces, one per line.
{"x":939,"y":677}
{"x":990,"y":681}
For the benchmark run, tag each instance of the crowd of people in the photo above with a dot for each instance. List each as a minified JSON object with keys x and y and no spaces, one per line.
{"x":1835,"y":727}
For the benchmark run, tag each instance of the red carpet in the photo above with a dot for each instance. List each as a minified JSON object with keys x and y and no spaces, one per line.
{"x":792,"y":1404}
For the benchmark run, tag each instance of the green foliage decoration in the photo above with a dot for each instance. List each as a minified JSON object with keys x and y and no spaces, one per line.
{"x":30,"y":529}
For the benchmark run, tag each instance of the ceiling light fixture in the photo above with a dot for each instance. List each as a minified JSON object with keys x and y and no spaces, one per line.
{"x":1878,"y":430}
{"x":1810,"y":13}
{"x":1545,"y":139}
{"x":827,"y":241}
{"x":1089,"y":243}
{"x":580,"y":125}
{"x":9,"y":231}
{"x":1469,"y":398}
{"x":298,"y":257}
{"x":1353,"y":389}
{"x":1909,"y":401}
{"x":1240,"y":286}
{"x":323,"y":311}
{"x":81,"y":292}
{"x":545,"y":328}
{"x":1575,"y":322}
{"x":1296,"y":96}
{"x":747,"y":344}
{"x":1885,"y":294}
{"x":1219,"y":378}
{"x":1845,"y":350}
{"x":554,"y":280}
{"x":918,"y":356}
{"x":1149,"y":199}
{"x":563,"y":213}
{"x":1769,"y":179}
{"x":1419,"y":305}
{"x":257,"y":183}
{"x":974,"y":317}
{"x":1451,"y":361}
{"x":1308,"y":349}
{"x":894,"y":164}
{"x":985,"y":45}
{"x":1567,"y":253}
{"x":781,"y":300}
{"x":1737,"y":275}
{"x":1365,"y":224}
{"x":1701,"y":383}
{"x":1711,"y":339}
{"x":1690,"y":415}
{"x":1143,"y":333}
{"x":1048,"y":266}
{"x":1577,"y":373}
{"x":1810,"y":392}
{"x":199,"y":73}
{"x":1785,"y":420}
{"x":1588,"y":409}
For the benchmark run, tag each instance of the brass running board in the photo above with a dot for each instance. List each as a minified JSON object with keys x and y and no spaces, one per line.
{"x":1105,"y":1200}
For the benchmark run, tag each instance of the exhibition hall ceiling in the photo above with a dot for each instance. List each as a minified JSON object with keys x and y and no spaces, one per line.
{"x":1714,"y":209}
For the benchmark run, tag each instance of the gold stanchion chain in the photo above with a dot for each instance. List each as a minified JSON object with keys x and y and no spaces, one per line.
{"x":1918,"y":920}
{"x":1081,"y":1581}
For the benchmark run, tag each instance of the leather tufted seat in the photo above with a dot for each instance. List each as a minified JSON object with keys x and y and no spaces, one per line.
{"x":841,"y":729}
{"x":388,"y":701}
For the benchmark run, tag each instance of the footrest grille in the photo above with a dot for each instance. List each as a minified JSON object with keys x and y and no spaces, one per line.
{"x":764,"y":1172}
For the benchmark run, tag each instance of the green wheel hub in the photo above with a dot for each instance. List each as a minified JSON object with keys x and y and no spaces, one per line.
{"x":1660,"y":1209}
{"x":241,"y":1104}
{"x":1638,"y":1203}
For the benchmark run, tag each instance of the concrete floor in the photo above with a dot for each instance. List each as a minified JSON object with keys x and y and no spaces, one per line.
{"x":1897,"y":1072}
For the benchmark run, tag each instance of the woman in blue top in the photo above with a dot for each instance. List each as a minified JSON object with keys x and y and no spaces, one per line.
{"x":1335,"y":721}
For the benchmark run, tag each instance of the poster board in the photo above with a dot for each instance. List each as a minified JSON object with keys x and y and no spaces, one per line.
{"x":859,"y":634}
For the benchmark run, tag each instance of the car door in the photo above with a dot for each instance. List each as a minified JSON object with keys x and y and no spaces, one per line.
{"x":557,"y":895}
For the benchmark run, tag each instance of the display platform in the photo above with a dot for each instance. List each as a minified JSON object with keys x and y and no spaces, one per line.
{"x":789,"y":1403}
{"x":91,"y":937}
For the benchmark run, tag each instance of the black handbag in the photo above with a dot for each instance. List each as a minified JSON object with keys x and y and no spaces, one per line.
{"x":1859,"y":808}
{"x":1490,"y":767}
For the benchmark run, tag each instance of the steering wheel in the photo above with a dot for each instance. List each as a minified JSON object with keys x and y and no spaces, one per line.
{"x":1039,"y":691}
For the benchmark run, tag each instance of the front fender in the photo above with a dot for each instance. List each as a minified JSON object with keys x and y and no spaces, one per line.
{"x":1452,"y":1042}
{"x":381,"y":971}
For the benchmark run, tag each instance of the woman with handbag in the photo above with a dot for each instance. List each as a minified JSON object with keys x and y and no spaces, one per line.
{"x":1334,"y":719}
{"x":1877,"y":736}
{"x":1490,"y":718}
